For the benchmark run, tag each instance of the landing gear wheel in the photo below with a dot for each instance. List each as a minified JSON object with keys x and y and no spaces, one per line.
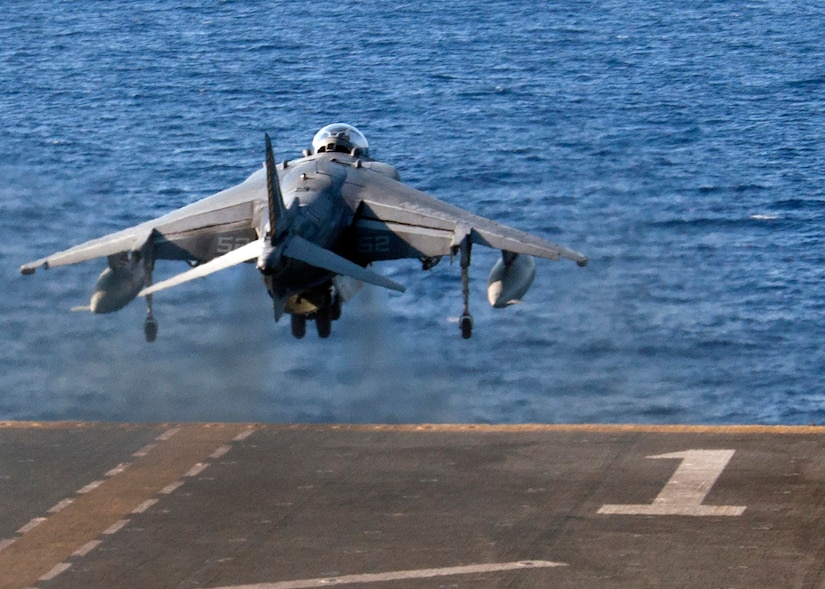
{"x":325,"y":315}
{"x":150,"y":329}
{"x":323,"y":322}
{"x":299,"y":326}
{"x":335,"y":308}
{"x":466,"y":324}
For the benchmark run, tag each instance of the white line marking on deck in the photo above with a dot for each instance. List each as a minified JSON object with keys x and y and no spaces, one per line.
{"x":87,"y":548}
{"x":169,"y":489}
{"x":61,"y":505}
{"x":144,"y":506}
{"x":684,"y":493}
{"x":243,"y":435}
{"x":6,"y":543}
{"x":220,"y":451}
{"x":90,"y":487}
{"x":168,"y":434}
{"x":401,"y":575}
{"x":144,"y":451}
{"x":62,"y":567}
{"x":197,"y":469}
{"x":118,"y":469}
{"x":31,"y":525}
{"x":115,"y":527}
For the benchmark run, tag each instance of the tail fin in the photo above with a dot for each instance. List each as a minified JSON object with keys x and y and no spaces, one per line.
{"x":277,"y":208}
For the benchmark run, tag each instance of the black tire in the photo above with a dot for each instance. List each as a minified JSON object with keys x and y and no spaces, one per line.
{"x":299,"y":326}
{"x":466,"y":324}
{"x":324,"y":317}
{"x":323,"y":323}
{"x":150,"y":329}
{"x":335,"y":312}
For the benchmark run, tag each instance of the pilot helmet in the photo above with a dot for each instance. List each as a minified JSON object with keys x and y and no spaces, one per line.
{"x":342,"y":138}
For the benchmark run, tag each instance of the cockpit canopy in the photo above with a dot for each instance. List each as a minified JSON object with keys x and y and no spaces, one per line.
{"x":340,"y":137}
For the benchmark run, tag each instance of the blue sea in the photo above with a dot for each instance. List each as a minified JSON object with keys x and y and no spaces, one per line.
{"x":678,"y":144}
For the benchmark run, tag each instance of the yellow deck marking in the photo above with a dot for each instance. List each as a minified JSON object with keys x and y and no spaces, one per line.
{"x":43,"y":550}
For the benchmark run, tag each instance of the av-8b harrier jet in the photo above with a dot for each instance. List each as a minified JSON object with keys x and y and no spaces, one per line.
{"x":313,"y":226}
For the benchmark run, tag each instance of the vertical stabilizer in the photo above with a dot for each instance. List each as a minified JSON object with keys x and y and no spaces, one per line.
{"x":277,"y":208}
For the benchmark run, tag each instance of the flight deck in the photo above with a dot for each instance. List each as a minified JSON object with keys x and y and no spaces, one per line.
{"x":249,"y":506}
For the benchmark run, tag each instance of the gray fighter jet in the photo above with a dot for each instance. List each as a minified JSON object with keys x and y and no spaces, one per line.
{"x":313,"y":226}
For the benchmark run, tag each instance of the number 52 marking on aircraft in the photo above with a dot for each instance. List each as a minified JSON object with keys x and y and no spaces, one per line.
{"x":374,"y":244}
{"x":227,"y":243}
{"x":686,"y":490}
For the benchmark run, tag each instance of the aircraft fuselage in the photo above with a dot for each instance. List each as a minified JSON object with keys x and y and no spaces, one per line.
{"x":317,"y":211}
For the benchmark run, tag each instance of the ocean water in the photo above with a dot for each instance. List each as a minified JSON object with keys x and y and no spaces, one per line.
{"x":678,"y":145}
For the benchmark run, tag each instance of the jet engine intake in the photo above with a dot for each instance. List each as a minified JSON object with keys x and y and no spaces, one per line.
{"x":119,"y":284}
{"x":510,"y":279}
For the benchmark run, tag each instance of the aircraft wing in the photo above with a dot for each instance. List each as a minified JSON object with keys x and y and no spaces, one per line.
{"x":393,"y":220}
{"x":201,"y":231}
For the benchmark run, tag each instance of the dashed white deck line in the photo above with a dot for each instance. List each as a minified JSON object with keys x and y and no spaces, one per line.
{"x":6,"y":543}
{"x":115,"y":527}
{"x":220,"y":451}
{"x":87,"y":548}
{"x":144,"y":451}
{"x":243,"y":435}
{"x":61,"y":505}
{"x":168,"y":434}
{"x":402,"y":575}
{"x":60,"y":568}
{"x":120,"y":524}
{"x":169,"y":489}
{"x":90,"y":487}
{"x":118,"y":469}
{"x":197,"y":469}
{"x":144,"y":506}
{"x":31,"y":525}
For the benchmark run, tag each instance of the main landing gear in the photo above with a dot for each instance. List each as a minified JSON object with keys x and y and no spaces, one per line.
{"x":328,"y":311}
{"x":465,"y":322}
{"x":299,"y":326}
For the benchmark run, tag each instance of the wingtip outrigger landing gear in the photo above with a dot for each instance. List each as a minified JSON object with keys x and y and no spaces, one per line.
{"x":150,"y":325}
{"x":465,"y":322}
